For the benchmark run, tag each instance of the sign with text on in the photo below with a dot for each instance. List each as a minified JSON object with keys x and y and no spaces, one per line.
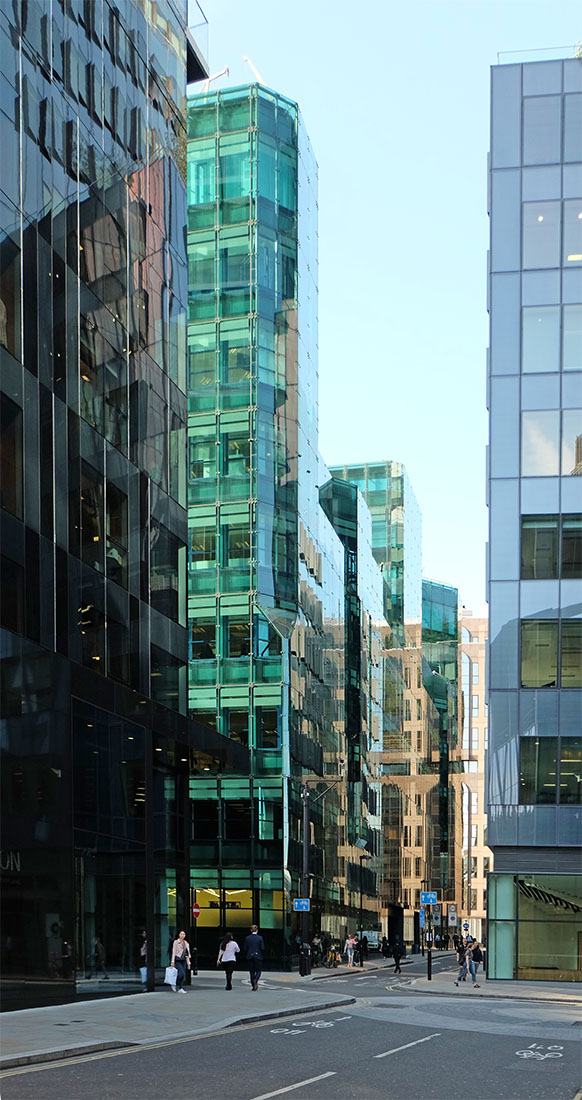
{"x":301,"y":905}
{"x":452,"y":907}
{"x":428,"y":897}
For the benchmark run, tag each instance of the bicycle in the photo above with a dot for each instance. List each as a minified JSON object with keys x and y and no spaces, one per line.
{"x":331,"y":958}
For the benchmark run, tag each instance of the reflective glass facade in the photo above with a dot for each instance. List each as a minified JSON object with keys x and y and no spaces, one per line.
{"x":396,"y":536}
{"x":96,"y":745}
{"x":269,"y":651}
{"x":535,"y":496}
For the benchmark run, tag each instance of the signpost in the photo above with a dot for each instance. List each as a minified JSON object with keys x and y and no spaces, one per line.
{"x":301,"y":905}
{"x":195,"y":915}
{"x":452,"y":908}
{"x":428,"y":898}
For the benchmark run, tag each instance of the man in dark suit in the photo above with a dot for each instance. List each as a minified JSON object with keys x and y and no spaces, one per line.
{"x":254,"y":948}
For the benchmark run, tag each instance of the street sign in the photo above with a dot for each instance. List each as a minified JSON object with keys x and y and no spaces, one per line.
{"x":466,"y":925}
{"x":301,"y":905}
{"x":195,"y":910}
{"x":421,"y":918}
{"x":428,"y":897}
{"x":436,"y":914}
{"x":452,"y":909}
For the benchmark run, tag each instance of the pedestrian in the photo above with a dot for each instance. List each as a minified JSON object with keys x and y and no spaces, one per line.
{"x":456,"y":941}
{"x":437,"y":941}
{"x":465,"y":957}
{"x":143,"y":959}
{"x":365,"y":947}
{"x":477,"y":955}
{"x":227,"y":954}
{"x":349,"y":949}
{"x":385,"y":947}
{"x":181,"y":960}
{"x":254,"y":950}
{"x":397,"y":953}
{"x":99,"y":959}
{"x":446,"y":939}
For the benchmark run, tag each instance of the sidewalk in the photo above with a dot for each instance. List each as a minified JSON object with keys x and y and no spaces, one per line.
{"x":442,"y":984}
{"x":84,"y":1027}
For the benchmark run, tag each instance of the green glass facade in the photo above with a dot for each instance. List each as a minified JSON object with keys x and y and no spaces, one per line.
{"x":266,"y":586}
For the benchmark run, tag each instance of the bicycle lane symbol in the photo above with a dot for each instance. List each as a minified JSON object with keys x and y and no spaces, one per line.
{"x":535,"y":1051}
{"x":300,"y":1028}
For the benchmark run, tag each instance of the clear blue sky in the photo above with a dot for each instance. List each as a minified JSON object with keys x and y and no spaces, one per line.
{"x":395,"y":98}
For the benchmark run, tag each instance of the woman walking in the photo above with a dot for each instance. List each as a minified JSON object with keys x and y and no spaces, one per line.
{"x":349,"y":949}
{"x":465,"y":959}
{"x":181,"y":960}
{"x":227,"y":953}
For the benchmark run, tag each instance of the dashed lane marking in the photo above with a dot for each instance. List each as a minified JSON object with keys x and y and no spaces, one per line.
{"x":299,"y":1085}
{"x":407,"y":1045}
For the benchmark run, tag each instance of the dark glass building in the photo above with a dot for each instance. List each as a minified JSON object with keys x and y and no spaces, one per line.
{"x":96,"y":746}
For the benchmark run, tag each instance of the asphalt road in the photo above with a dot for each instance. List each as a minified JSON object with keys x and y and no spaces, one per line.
{"x":391,"y":1045}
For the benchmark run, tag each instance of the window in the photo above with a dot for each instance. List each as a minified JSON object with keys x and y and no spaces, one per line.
{"x":237,"y":819}
{"x":91,"y":517}
{"x":202,"y":458}
{"x":571,"y":556}
{"x":539,"y":653}
{"x":236,"y":541}
{"x":203,"y":639}
{"x":475,"y":671}
{"x":236,"y":725}
{"x":540,"y":443}
{"x":166,"y":566}
{"x":473,"y":899}
{"x":418,"y":836}
{"x":417,"y":867}
{"x":267,"y":727}
{"x":418,"y":710}
{"x":203,"y":546}
{"x":474,"y":807}
{"x":168,"y":679}
{"x":486,"y":862}
{"x":549,"y":552}
{"x":117,"y":650}
{"x":474,"y":740}
{"x":117,"y":535}
{"x":540,"y":345}
{"x":11,"y":465}
{"x":541,"y":129}
{"x":571,"y":770}
{"x":475,"y":705}
{"x":537,"y":770}
{"x":572,"y":338}
{"x":541,"y":234}
{"x":474,"y":835}
{"x":571,"y":663}
{"x":572,"y":442}
{"x":236,"y":454}
{"x":539,"y":547}
{"x":572,"y":248}
{"x":237,"y":637}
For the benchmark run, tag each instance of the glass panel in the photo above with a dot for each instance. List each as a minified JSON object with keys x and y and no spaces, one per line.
{"x":542,"y":77}
{"x":506,"y":116}
{"x":117,"y":535}
{"x":540,"y":349}
{"x":11,"y":456}
{"x":505,"y":222}
{"x":572,"y":442}
{"x":539,"y":547}
{"x":541,"y":183}
{"x":571,"y":673}
{"x":571,"y":547}
{"x":203,"y":635}
{"x":203,"y":546}
{"x":541,"y":130}
{"x":572,"y":338}
{"x":573,"y":127}
{"x":541,"y":234}
{"x":539,"y":653}
{"x":538,"y":770}
{"x":502,"y":897}
{"x":165,"y":571}
{"x":549,"y":912}
{"x":540,"y":443}
{"x":501,"y":948}
{"x":571,"y":770}
{"x":91,"y":532}
{"x":572,"y":254}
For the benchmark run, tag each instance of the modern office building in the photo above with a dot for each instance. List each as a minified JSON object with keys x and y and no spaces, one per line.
{"x":96,"y":744}
{"x":535,"y":498}
{"x":283,"y":588}
{"x":441,"y":661}
{"x":396,"y":536}
{"x":477,"y":856}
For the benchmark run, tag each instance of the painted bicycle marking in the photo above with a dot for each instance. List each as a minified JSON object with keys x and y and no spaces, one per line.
{"x":535,"y":1051}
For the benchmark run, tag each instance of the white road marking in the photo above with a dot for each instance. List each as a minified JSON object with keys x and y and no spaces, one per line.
{"x":343,"y":1018}
{"x":299,"y":1085}
{"x":407,"y":1045}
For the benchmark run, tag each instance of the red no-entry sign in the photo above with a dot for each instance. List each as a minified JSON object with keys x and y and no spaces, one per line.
{"x":195,"y":910}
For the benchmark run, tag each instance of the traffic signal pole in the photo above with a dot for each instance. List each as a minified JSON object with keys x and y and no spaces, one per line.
{"x":429,"y":941}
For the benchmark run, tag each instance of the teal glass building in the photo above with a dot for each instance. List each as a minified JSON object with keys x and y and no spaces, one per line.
{"x":535,"y":522}
{"x":269,"y":653}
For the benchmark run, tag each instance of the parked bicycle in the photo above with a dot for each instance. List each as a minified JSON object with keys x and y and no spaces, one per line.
{"x":332,"y":957}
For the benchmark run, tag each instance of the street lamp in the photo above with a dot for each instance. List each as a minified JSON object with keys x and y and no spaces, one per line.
{"x":361,"y":842}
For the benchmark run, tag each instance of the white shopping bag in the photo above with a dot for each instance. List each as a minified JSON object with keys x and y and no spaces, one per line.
{"x":171,"y":975}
